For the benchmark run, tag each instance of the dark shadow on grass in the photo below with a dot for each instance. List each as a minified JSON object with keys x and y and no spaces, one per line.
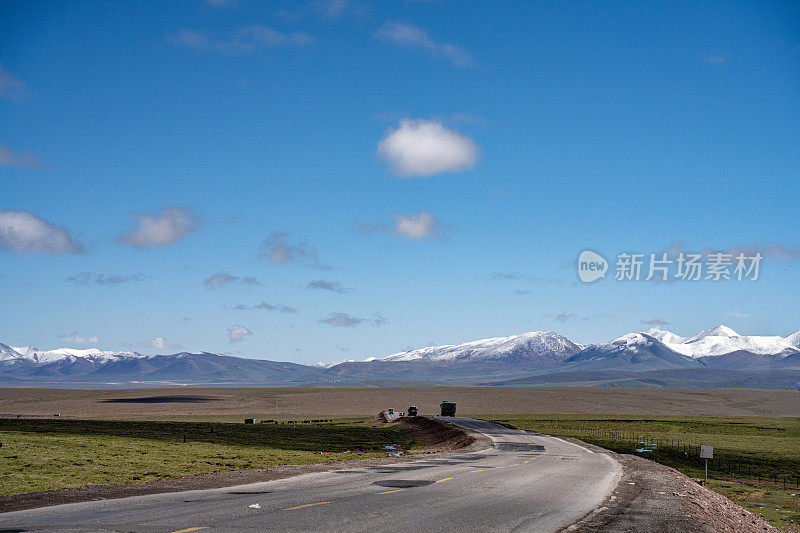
{"x":163,"y":399}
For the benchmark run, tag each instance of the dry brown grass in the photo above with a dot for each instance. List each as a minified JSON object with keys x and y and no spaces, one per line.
{"x":234,"y":404}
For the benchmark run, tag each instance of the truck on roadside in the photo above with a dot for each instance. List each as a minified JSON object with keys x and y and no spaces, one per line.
{"x":412,"y":411}
{"x":448,"y":408}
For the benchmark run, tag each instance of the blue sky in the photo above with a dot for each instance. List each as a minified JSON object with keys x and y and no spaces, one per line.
{"x":333,"y":179}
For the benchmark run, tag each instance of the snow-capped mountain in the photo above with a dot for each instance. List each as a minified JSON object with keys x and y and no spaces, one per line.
{"x":538,"y":346}
{"x":723,"y":340}
{"x":793,"y":339}
{"x":29,"y":353}
{"x":635,"y":350}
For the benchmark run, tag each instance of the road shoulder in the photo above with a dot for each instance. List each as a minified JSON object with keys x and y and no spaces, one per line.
{"x":654,"y":497}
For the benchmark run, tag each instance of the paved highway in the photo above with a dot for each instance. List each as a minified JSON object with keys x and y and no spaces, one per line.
{"x":526,"y":482}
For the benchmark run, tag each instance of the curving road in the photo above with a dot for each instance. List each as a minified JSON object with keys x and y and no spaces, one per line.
{"x":526,"y":482}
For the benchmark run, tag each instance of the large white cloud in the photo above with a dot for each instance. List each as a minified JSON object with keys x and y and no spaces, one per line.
{"x":425,"y":147}
{"x":162,"y":229}
{"x":22,"y":231}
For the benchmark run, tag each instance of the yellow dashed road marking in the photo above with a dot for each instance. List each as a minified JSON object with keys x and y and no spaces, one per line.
{"x":476,"y":470}
{"x":445,"y":479}
{"x":304,"y":505}
{"x":188,"y":529}
{"x":391,"y":491}
{"x":523,"y":462}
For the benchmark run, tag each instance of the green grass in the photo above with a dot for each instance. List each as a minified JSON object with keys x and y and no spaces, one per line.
{"x":752,"y":455}
{"x":39,"y":455}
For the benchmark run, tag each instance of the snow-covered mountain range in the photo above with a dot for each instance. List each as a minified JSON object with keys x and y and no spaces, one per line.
{"x":43,"y":357}
{"x":541,"y":352}
{"x":534,"y":346}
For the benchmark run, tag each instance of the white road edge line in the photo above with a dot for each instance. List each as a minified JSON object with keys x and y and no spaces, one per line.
{"x":578,"y":445}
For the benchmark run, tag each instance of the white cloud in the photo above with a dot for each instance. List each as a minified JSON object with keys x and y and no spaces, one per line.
{"x":78,"y":339}
{"x":159,"y":343}
{"x":245,"y":39}
{"x":424,"y":148}
{"x":414,"y":226}
{"x":237,"y":333}
{"x":11,"y":87}
{"x":25,"y":159}
{"x":413,"y":37}
{"x":22,"y":231}
{"x":222,"y":279}
{"x":162,"y":229}
{"x":417,"y":226}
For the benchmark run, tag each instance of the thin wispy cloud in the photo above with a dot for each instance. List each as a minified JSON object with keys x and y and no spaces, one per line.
{"x":222,"y":3}
{"x":8,"y":158}
{"x":164,"y":228}
{"x":11,"y":87}
{"x":278,"y":249}
{"x":327,"y":9}
{"x":93,"y":278}
{"x":519,"y":277}
{"x":771,"y":250}
{"x":412,"y":37}
{"x":737,"y":314}
{"x":521,"y":292}
{"x":75,"y":338}
{"x":657,"y":322}
{"x":24,"y":232}
{"x":712,"y":59}
{"x":159,"y":343}
{"x":245,"y":39}
{"x":264,"y":306}
{"x":331,"y":286}
{"x":344,"y":320}
{"x":223,"y":279}
{"x":424,"y":148}
{"x":237,"y":333}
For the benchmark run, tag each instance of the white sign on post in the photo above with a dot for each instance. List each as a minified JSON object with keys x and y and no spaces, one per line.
{"x":706,"y":452}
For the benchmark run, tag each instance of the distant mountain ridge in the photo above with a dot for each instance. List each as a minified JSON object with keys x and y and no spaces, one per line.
{"x":714,"y":356}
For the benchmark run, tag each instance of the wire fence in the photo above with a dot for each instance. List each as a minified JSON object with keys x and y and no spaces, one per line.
{"x":726,"y":464}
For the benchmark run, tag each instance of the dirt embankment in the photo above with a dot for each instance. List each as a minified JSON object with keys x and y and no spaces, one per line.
{"x":440,"y":438}
{"x":654,"y":497}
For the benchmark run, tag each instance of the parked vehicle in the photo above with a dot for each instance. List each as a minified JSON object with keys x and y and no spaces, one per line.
{"x":412,"y":411}
{"x":448,"y":409}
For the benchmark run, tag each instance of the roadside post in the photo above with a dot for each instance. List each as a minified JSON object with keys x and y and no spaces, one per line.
{"x":706,"y":452}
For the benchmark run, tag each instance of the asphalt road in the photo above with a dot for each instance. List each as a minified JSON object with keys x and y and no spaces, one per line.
{"x":526,"y":482}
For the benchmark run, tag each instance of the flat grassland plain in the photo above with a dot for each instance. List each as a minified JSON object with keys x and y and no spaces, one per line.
{"x":133,"y":435}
